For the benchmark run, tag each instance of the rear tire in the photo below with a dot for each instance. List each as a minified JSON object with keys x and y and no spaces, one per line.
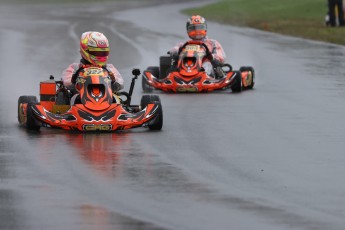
{"x":251,"y":69}
{"x":157,"y":124}
{"x":164,"y":66}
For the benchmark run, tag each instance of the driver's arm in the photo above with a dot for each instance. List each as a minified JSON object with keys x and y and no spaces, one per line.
{"x":67,"y":74}
{"x":117,"y":76}
{"x":218,"y":51}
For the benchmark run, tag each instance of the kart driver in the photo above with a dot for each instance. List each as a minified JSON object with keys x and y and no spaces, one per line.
{"x":197,"y":31}
{"x":94,"y":50}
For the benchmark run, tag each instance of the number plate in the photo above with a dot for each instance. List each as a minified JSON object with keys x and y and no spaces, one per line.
{"x":192,"y":48}
{"x":103,"y":127}
{"x":187,"y":89}
{"x":93,"y":70}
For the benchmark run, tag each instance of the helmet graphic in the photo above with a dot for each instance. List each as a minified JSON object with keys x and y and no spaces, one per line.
{"x":196,"y":27}
{"x":94,"y":47}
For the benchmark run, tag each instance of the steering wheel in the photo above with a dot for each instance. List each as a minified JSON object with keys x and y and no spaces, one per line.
{"x":182,"y":47}
{"x":208,"y":52}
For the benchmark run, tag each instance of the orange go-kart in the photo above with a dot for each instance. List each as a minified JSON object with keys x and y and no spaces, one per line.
{"x":93,"y":107}
{"x":189,"y":75}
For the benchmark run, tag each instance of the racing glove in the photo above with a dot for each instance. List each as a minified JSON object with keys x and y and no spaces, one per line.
{"x":74,"y":79}
{"x":215,"y":63}
{"x":210,"y":57}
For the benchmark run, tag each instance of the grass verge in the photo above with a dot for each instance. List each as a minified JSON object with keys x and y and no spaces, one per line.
{"x":301,"y":18}
{"x":57,"y":1}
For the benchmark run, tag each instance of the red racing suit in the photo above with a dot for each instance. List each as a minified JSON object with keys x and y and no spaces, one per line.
{"x":73,"y":68}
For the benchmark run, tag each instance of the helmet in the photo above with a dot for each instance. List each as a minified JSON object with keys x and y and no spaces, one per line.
{"x":94,"y":48}
{"x":196,"y":27}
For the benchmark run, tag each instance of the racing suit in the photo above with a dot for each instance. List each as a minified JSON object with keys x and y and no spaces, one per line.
{"x":117,"y":80}
{"x":217,"y":59}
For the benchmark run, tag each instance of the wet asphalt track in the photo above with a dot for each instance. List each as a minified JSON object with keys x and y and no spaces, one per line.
{"x":269,"y":158}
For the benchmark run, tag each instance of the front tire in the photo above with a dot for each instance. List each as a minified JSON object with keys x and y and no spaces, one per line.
{"x":30,"y":122}
{"x":236,"y":87}
{"x":157,"y":123}
{"x":24,"y":100}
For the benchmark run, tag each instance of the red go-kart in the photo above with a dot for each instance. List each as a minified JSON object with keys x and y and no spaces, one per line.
{"x":93,"y":108}
{"x":189,"y":75}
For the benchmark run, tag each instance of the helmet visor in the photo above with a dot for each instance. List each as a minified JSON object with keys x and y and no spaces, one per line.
{"x":196,"y":27}
{"x":99,"y":52}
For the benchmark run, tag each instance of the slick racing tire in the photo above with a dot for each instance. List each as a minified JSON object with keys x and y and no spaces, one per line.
{"x":30,"y":123}
{"x":22,"y":100}
{"x":164,"y":66}
{"x":236,"y":86}
{"x":251,"y":69}
{"x":157,"y":123}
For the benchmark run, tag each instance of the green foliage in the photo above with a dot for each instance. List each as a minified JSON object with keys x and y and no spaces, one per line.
{"x":302,"y":18}
{"x":56,"y":1}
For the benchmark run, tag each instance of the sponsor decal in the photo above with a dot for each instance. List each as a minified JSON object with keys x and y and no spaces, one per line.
{"x":192,"y":48}
{"x":93,"y":70}
{"x":187,"y":89}
{"x":93,"y":127}
{"x":80,"y":80}
{"x":102,"y":43}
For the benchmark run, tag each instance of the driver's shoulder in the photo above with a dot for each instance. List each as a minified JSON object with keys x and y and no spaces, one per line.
{"x":110,"y":67}
{"x":210,"y":40}
{"x":72,"y":67}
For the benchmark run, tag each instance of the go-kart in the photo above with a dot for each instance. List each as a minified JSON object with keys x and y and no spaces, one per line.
{"x":186,"y":74}
{"x":93,"y":107}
